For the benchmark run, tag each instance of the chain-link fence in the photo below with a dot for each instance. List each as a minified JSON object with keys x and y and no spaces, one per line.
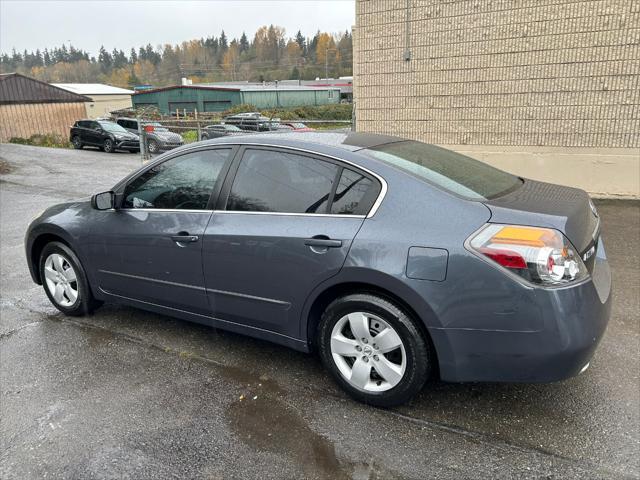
{"x":158,"y":135}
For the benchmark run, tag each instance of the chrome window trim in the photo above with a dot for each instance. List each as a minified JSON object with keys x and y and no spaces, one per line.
{"x":163,"y":210}
{"x":285,"y":214}
{"x":227,"y":212}
{"x":376,"y":205}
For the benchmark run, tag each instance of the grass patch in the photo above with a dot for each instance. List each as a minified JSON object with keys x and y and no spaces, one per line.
{"x":51,"y":140}
{"x":190,"y":136}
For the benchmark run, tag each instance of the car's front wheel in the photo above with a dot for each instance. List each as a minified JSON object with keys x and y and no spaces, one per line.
{"x":108,"y":146}
{"x":374,"y":350}
{"x":64,"y":280}
{"x":77,"y":143}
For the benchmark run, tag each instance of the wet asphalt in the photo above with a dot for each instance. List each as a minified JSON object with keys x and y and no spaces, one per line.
{"x":129,"y":394}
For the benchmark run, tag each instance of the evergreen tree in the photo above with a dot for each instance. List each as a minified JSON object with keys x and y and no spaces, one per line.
{"x":244,"y":43}
{"x":302,"y":43}
{"x":105,"y":60}
{"x":223,"y":42}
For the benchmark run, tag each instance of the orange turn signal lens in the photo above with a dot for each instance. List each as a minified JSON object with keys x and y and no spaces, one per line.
{"x":529,"y":236}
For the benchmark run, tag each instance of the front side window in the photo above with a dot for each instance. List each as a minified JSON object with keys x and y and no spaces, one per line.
{"x":272,"y":181}
{"x":184,"y":182}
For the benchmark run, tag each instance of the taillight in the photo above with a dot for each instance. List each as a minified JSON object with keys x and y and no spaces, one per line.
{"x":539,"y":255}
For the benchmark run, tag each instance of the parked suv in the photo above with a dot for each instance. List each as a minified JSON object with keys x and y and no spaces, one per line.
{"x":105,"y":135}
{"x":160,"y":139}
{"x":254,"y":121}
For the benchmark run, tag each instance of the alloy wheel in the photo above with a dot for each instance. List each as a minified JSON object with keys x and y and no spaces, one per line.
{"x":61,"y":280}
{"x":368,"y":352}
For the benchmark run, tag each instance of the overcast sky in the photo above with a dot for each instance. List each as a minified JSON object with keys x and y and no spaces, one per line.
{"x":124,"y":24}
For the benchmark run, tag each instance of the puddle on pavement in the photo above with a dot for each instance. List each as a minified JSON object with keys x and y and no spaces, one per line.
{"x":269,"y":424}
{"x":97,"y":337}
{"x":5,"y":167}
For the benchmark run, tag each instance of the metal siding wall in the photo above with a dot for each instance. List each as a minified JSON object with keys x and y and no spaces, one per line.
{"x":259,"y":98}
{"x":187,"y":96}
{"x":289,"y":98}
{"x":24,"y":120}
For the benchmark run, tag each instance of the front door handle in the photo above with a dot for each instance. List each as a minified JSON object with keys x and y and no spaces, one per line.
{"x":184,"y":238}
{"x":323,"y":242}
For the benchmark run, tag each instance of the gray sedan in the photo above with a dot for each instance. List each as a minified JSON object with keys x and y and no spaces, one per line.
{"x":395,"y":260}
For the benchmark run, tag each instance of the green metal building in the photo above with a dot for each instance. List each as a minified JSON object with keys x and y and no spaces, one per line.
{"x":211,"y":98}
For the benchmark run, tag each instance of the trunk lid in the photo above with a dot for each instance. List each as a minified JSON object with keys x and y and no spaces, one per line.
{"x":541,"y":204}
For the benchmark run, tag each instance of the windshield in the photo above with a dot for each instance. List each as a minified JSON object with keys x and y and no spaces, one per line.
{"x":448,"y":170}
{"x":112,"y":127}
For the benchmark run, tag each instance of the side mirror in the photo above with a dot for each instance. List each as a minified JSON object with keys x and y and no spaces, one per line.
{"x":103,"y":201}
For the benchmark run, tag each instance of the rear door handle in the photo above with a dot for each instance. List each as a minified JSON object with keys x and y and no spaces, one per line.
{"x":184,"y":238}
{"x":323,"y":242}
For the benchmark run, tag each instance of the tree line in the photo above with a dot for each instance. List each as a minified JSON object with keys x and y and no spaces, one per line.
{"x":270,"y":55}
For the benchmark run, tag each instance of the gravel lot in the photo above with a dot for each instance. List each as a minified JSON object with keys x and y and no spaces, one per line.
{"x":130,"y":394}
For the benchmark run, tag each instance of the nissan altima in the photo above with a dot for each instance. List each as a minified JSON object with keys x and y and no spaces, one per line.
{"x":394,"y":260}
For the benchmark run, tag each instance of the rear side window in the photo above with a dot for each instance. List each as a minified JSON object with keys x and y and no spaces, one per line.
{"x":183,"y":183}
{"x":272,"y":181}
{"x":447,"y":170}
{"x":355,"y":194}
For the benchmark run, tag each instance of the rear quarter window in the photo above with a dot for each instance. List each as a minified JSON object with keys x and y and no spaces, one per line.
{"x":447,"y":170}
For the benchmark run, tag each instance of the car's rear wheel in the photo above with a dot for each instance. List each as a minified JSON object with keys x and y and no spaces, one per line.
{"x":154,"y":147}
{"x":77,"y":143}
{"x":108,"y":146}
{"x":374,"y":350}
{"x":64,"y":280}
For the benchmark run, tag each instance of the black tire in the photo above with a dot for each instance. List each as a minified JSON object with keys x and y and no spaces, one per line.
{"x":419,"y":355}
{"x":154,"y":146}
{"x":85,"y":303}
{"x":77,"y":142}
{"x":108,"y":146}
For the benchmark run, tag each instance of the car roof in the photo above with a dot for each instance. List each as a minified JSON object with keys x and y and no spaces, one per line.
{"x":349,"y":141}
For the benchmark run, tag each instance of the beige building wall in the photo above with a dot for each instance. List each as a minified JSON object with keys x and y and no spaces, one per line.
{"x":548,"y":89}
{"x":24,"y":120}
{"x":102,"y":105}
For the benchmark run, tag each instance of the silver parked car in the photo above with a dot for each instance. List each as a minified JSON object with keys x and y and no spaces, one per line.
{"x":159,"y":140}
{"x":220,"y":130}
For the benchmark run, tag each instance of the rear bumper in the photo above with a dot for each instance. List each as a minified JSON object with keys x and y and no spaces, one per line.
{"x":574,"y":321}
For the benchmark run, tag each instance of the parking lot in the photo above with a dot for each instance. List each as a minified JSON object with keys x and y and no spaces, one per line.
{"x":129,"y":394}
